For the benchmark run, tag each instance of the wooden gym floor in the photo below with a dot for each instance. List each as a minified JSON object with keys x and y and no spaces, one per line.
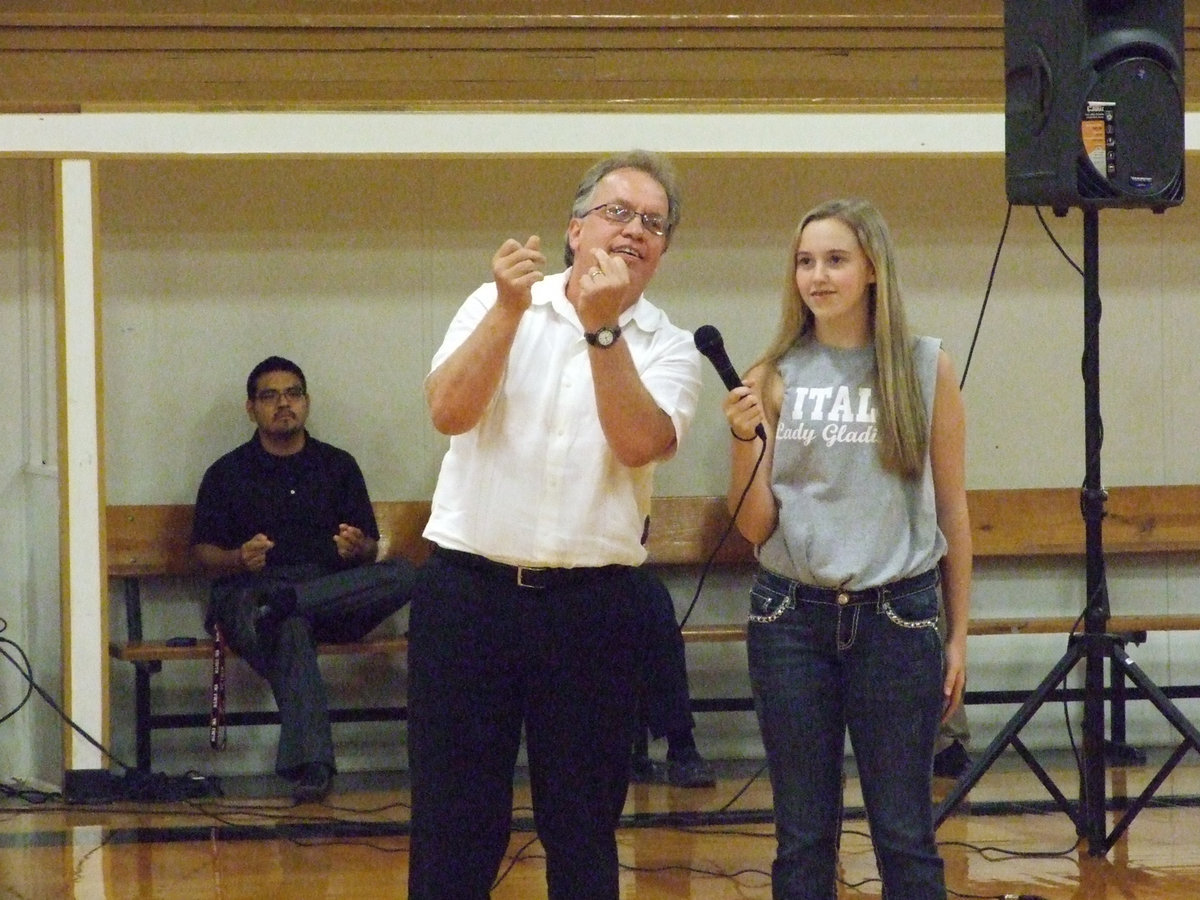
{"x":1010,"y":838}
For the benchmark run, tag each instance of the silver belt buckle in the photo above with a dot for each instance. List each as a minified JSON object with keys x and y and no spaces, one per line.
{"x":521,"y":570}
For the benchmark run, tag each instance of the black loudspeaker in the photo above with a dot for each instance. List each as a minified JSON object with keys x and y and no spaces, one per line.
{"x":1094,"y":103}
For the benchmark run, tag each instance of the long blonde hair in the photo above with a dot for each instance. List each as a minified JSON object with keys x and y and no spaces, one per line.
{"x":903,"y":423}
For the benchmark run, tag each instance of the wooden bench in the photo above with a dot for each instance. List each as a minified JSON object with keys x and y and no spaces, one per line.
{"x":145,"y":542}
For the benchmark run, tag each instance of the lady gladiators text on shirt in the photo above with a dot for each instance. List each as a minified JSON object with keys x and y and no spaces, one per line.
{"x":846,"y":421}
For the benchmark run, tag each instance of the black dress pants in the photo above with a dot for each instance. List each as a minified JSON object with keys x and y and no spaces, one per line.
{"x":486,"y":658}
{"x":666,"y":706}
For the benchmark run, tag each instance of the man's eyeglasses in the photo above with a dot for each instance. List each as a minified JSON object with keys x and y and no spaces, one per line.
{"x":623,"y":215}
{"x":271,"y":396}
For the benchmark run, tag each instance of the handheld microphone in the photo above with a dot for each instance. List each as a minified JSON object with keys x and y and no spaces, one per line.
{"x":710,"y":343}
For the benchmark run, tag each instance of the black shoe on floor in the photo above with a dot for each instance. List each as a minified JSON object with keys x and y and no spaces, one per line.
{"x":647,"y":771}
{"x":951,"y":762}
{"x":691,"y":771}
{"x":314,"y":784}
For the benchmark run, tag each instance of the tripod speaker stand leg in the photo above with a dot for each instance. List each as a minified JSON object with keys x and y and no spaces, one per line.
{"x":1009,"y":735}
{"x":1094,"y":645}
{"x":1181,"y":724}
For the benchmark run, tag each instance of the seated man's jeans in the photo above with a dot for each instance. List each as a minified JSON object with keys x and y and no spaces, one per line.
{"x":329,"y":607}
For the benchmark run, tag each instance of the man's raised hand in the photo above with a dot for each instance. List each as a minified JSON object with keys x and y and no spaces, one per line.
{"x":517,"y":268}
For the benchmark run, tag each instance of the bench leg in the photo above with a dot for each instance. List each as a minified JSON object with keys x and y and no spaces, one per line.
{"x":141,"y":674}
{"x":141,"y":714}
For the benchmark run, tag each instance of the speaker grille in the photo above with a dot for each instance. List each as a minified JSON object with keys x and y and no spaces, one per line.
{"x":1132,"y":134}
{"x":1094,"y":103}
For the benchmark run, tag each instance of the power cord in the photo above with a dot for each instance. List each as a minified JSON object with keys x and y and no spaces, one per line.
{"x":103,"y":786}
{"x":987,"y":293}
{"x":966,"y":366}
{"x":23,"y":667}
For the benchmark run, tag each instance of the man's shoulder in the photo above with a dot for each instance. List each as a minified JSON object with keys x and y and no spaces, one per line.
{"x":225,"y":476}
{"x":654,"y":321}
{"x":327,"y":454}
{"x":234,"y":458}
{"x":325,"y":448}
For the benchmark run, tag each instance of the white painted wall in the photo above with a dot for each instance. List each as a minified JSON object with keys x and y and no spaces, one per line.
{"x":353,"y":268}
{"x":31,"y":738}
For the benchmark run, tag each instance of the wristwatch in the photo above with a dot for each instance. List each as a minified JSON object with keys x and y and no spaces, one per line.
{"x":605,"y":337}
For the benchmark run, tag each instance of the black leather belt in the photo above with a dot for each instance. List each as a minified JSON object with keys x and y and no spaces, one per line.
{"x":533,"y":577}
{"x":813,"y":594}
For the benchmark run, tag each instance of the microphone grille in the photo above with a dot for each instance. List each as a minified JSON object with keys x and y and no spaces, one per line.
{"x":707,"y":337}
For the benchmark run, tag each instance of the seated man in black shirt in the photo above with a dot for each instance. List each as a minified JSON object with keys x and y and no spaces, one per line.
{"x":284,"y":525}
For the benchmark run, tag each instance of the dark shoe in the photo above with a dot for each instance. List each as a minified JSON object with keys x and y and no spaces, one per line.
{"x":951,"y":762}
{"x":237,"y":613}
{"x":276,"y":605}
{"x":690,"y":772}
{"x":314,"y":784}
{"x":647,"y":771}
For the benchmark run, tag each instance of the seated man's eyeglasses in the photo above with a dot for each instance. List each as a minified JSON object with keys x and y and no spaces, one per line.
{"x":622,"y":215}
{"x":271,"y":396}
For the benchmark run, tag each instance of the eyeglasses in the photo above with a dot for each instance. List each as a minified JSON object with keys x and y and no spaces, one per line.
{"x":271,"y":396}
{"x":623,"y":215}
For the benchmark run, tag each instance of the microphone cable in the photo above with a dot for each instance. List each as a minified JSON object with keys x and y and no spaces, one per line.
{"x":708,"y":563}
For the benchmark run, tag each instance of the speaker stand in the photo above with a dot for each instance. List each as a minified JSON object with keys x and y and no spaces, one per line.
{"x":1094,"y":645}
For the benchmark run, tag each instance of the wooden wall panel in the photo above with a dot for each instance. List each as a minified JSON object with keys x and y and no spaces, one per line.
{"x":106,"y":54}
{"x":62,"y":55}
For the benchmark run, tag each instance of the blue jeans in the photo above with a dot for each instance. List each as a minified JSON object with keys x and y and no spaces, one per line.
{"x":338,"y":606}
{"x":872,"y":666}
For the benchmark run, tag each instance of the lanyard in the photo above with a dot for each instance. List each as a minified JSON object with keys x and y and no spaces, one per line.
{"x":217,"y":730}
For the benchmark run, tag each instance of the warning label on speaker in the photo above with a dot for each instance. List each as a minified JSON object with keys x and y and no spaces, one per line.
{"x":1099,"y":136}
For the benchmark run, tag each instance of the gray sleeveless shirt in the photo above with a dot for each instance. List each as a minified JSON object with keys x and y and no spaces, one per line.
{"x":843,"y":520}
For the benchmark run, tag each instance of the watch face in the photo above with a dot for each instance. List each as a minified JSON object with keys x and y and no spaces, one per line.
{"x":604,"y":337}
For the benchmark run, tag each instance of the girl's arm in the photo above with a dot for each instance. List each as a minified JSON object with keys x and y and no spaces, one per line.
{"x":947,"y":453}
{"x":746,"y":411}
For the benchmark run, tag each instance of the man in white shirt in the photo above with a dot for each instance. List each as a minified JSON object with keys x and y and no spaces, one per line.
{"x":561,"y":394}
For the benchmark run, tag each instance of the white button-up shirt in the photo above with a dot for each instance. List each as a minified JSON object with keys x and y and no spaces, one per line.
{"x":535,"y":483}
